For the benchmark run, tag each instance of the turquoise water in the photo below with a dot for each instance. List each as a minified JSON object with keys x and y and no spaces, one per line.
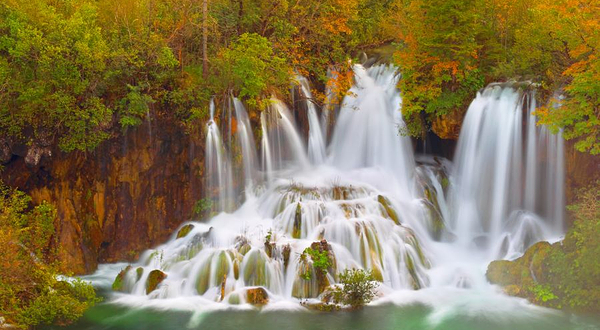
{"x":110,"y":316}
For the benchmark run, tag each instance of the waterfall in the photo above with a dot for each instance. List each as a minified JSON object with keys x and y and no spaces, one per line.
{"x":368,"y":126}
{"x":419,"y":223}
{"x":218,"y":167}
{"x":248,"y":147}
{"x":316,"y":142}
{"x":508,"y":174}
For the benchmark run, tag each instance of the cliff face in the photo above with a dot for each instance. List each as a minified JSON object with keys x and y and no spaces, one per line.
{"x":127,"y":195}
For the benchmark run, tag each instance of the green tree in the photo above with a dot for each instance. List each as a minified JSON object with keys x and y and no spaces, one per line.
{"x":31,"y":293}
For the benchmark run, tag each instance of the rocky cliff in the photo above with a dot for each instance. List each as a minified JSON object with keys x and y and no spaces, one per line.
{"x":127,"y":195}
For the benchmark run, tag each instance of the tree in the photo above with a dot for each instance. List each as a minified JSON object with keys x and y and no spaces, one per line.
{"x":30,"y":291}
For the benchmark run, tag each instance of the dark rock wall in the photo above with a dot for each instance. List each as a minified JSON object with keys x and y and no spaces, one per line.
{"x":128,"y":195}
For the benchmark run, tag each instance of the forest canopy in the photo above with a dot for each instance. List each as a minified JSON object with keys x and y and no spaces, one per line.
{"x":76,"y":72}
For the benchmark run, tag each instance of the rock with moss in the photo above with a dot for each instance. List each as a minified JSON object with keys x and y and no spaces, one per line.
{"x":388,"y":209}
{"x":565,"y":274}
{"x":257,"y":296}
{"x":184,"y":231}
{"x":138,"y":273}
{"x":297,"y":230}
{"x":119,"y":282}
{"x":154,"y":279}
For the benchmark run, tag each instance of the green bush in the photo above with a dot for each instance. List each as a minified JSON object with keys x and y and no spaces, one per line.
{"x":31,"y":293}
{"x":358,"y":288}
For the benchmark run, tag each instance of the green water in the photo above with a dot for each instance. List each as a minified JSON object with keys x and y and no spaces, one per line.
{"x":108,"y":316}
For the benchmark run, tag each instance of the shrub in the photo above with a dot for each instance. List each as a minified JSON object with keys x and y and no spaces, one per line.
{"x":31,"y":293}
{"x":358,"y":288}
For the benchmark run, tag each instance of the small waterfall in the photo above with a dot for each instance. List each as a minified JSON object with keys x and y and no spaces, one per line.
{"x":285,"y":144}
{"x":218,"y":168}
{"x":367,"y":128}
{"x":248,"y":147}
{"x":508,"y":173}
{"x":316,"y":143}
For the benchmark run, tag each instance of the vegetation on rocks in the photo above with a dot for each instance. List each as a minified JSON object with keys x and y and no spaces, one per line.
{"x":31,"y":291}
{"x":565,"y":274}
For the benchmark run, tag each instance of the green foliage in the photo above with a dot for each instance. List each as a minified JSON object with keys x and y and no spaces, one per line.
{"x":564,"y":274}
{"x":136,"y":105}
{"x":573,"y":266}
{"x":543,"y":293}
{"x":358,"y":288}
{"x":438,"y":57}
{"x":53,"y":62}
{"x":202,"y":206}
{"x":30,"y":291}
{"x":320,"y":259}
{"x":250,"y":67}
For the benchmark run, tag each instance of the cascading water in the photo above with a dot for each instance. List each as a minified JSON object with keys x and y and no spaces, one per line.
{"x":367,"y":205}
{"x":218,"y":167}
{"x":316,"y":139}
{"x":496,"y":202}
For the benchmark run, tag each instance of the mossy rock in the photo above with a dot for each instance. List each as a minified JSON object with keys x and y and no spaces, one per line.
{"x":255,"y":268}
{"x":154,"y":279}
{"x":203,"y":278}
{"x":389,"y":210}
{"x":185,"y":230}
{"x":118,"y":284}
{"x":321,"y":306}
{"x":234,"y":299}
{"x":138,"y":273}
{"x":287,"y":250}
{"x":519,"y":272}
{"x":297,"y":230}
{"x":257,"y":296}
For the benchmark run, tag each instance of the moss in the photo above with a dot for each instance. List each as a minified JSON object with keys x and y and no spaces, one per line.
{"x":138,"y":273}
{"x":154,"y":279}
{"x":203,"y":278}
{"x":185,"y":230}
{"x":389,"y":210}
{"x":118,"y":284}
{"x":255,"y":271}
{"x":234,"y":299}
{"x":562,"y":275}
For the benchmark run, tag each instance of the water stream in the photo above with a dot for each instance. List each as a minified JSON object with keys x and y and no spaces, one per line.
{"x":427,"y":227}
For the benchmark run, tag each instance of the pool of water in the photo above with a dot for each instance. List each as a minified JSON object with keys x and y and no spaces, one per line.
{"x":415,"y":316}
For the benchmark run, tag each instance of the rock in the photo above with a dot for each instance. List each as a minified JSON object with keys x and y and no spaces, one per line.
{"x":257,"y":296}
{"x":35,"y":154}
{"x":118,"y":284}
{"x":154,"y":279}
{"x":234,"y":299}
{"x":138,"y":273}
{"x":287,"y":250}
{"x":448,"y":126}
{"x":184,"y":231}
{"x":129,"y":194}
{"x":521,"y":271}
{"x":389,"y":210}
{"x":320,"y":306}
{"x":297,"y":231}
{"x":5,"y":151}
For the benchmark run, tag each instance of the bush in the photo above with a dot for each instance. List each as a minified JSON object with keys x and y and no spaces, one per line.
{"x":30,"y":291}
{"x":358,"y":288}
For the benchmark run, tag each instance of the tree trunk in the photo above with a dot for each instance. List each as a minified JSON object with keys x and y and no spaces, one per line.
{"x":204,"y":38}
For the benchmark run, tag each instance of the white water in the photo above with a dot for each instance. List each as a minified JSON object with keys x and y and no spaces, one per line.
{"x":452,"y":222}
